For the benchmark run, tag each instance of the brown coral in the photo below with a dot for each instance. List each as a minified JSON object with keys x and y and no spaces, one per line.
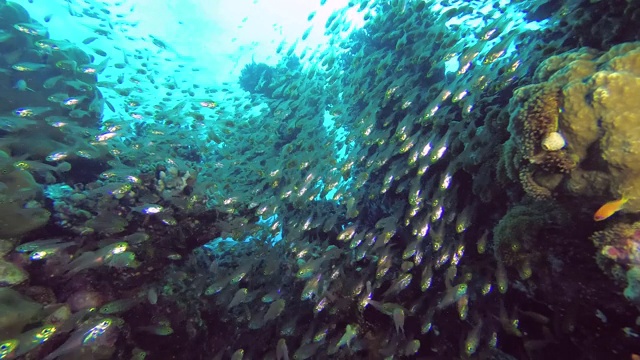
{"x":539,"y":117}
{"x":587,"y":102}
{"x":533,"y":124}
{"x":555,"y":161}
{"x":531,"y":187}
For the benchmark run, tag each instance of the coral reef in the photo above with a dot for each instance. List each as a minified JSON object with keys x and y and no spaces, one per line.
{"x":582,"y":103}
{"x":618,"y":255}
{"x":518,"y":239}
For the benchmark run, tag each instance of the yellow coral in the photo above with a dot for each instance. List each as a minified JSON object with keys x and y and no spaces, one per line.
{"x":596,"y":95}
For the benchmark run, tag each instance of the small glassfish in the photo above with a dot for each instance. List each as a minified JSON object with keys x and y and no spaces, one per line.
{"x":31,"y":112}
{"x":67,"y":65}
{"x":349,"y":334}
{"x":50,"y":82}
{"x":93,"y":68}
{"x":162,"y":329}
{"x":275,"y":309}
{"x":96,"y":258}
{"x":49,"y":251}
{"x":148,"y":208}
{"x":89,"y":40}
{"x":28,"y":66}
{"x":31,"y":29}
{"x":37,"y":245}
{"x":473,"y":339}
{"x":452,"y":295}
{"x":53,"y":45}
{"x":106,"y":136}
{"x":238,"y":298}
{"x":8,"y":348}
{"x":71,"y":102}
{"x":499,"y":49}
{"x":21,"y":85}
{"x":282,"y":353}
{"x":92,"y":333}
{"x":122,"y":260}
{"x":118,"y":306}
{"x":238,"y":355}
{"x":33,"y":338}
{"x":57,"y":156}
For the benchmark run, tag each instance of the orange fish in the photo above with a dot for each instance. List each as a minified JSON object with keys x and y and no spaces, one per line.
{"x":609,"y":209}
{"x":635,"y":357}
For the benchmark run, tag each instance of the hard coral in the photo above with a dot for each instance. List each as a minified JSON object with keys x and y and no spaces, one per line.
{"x":619,"y":243}
{"x":531,"y":187}
{"x":535,"y":125}
{"x":581,"y":116}
{"x":619,"y":256}
{"x":537,"y":118}
{"x":518,"y":235}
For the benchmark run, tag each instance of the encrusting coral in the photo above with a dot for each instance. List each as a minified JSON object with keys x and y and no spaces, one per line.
{"x":618,"y":249}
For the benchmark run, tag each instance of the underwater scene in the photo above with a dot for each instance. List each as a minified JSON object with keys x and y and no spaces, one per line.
{"x":319,"y":179}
